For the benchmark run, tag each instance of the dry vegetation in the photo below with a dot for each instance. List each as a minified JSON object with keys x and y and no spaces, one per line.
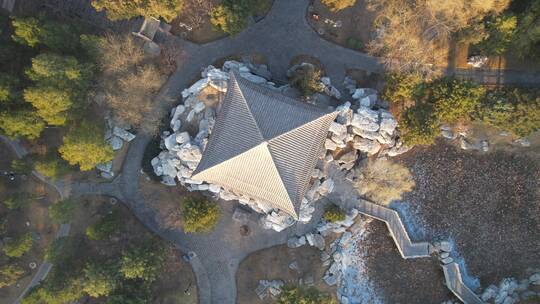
{"x":413,"y":36}
{"x":129,"y":79}
{"x":383,"y":181}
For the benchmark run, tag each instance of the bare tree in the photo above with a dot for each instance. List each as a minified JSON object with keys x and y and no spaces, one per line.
{"x":194,"y":12}
{"x":411,"y":36}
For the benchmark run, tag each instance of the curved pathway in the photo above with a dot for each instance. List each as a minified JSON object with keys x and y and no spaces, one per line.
{"x":280,"y":36}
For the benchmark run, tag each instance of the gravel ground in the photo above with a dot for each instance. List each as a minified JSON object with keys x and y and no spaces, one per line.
{"x":397,"y":280}
{"x":487,"y":203}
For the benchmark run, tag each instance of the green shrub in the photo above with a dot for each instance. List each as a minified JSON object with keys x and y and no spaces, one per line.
{"x":454,"y":99}
{"x":9,"y":274}
{"x":99,"y":279}
{"x":500,"y":34}
{"x":52,"y":166}
{"x":18,"y":246}
{"x":354,"y":43}
{"x":298,"y":295}
{"x":199,"y":215}
{"x":8,"y":85}
{"x":27,"y":31}
{"x":418,"y":125}
{"x":333,"y":213}
{"x":402,"y":90}
{"x":23,"y":165}
{"x":61,"y":212}
{"x":514,"y":110}
{"x":144,"y":261}
{"x":230,"y":17}
{"x":21,"y":122}
{"x":84,"y":146}
{"x":18,"y":200}
{"x":307,"y":79}
{"x":105,"y":226}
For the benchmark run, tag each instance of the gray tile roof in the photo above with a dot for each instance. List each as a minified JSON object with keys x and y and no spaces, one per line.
{"x":264,"y":145}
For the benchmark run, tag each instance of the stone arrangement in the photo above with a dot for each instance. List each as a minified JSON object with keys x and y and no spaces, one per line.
{"x":466,"y":142}
{"x":266,"y":287}
{"x":361,"y":130}
{"x":116,"y":136}
{"x":511,"y":290}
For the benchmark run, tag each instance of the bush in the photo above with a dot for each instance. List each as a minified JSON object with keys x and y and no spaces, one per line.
{"x":18,"y":200}
{"x":307,"y":79}
{"x":514,"y":110}
{"x":61,"y":212}
{"x":8,"y":85}
{"x":199,"y":215}
{"x":27,"y":31}
{"x":105,"y":226}
{"x":18,"y":246}
{"x":418,"y":125}
{"x":84,"y":146}
{"x":500,"y":34}
{"x":23,"y":165}
{"x":402,"y":90}
{"x":230,"y":17}
{"x":144,"y":261}
{"x":121,"y":9}
{"x":52,"y":166}
{"x":454,"y":99}
{"x":9,"y":274}
{"x":384,"y":181}
{"x":333,"y":213}
{"x":337,"y":5}
{"x":297,"y":295}
{"x":354,"y":43}
{"x":99,"y":279}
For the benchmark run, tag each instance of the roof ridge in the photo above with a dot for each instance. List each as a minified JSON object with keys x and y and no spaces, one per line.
{"x":235,"y":82}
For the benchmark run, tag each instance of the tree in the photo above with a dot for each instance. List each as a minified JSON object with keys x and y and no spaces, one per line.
{"x":144,"y":261}
{"x":297,"y":295}
{"x":418,"y":125}
{"x":18,"y":200}
{"x":512,"y":109}
{"x":527,"y":33}
{"x":333,"y":213}
{"x":199,"y":215}
{"x":131,"y":292}
{"x":84,"y":146}
{"x":454,"y":99}
{"x":60,"y":82}
{"x":337,"y":5}
{"x":129,"y":81}
{"x":21,"y":122}
{"x":100,"y":279}
{"x":402,"y":90}
{"x":228,"y":20}
{"x":8,"y":85}
{"x":384,"y":181}
{"x":9,"y":274}
{"x":500,"y":34}
{"x":105,"y":226}
{"x":412,"y":36}
{"x":51,"y":166}
{"x":27,"y":31}
{"x":62,"y":212}
{"x":120,"y":9}
{"x":307,"y":79}
{"x":18,"y":246}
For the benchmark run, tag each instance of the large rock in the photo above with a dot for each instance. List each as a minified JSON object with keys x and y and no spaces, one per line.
{"x":190,"y":153}
{"x":388,"y":125}
{"x":330,"y":145}
{"x":182,"y":138}
{"x":123,"y":134}
{"x":196,"y":87}
{"x":105,"y":167}
{"x":364,"y":123}
{"x":296,"y":242}
{"x":253,"y":78}
{"x":338,"y":129}
{"x":365,"y":145}
{"x":116,"y":143}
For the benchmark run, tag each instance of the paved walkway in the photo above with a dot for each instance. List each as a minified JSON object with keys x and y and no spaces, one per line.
{"x":280,"y":36}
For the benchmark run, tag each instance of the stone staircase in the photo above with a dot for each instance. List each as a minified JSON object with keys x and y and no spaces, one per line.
{"x":409,"y":249}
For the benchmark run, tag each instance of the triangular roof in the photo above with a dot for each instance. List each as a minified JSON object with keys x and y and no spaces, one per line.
{"x":264,"y":145}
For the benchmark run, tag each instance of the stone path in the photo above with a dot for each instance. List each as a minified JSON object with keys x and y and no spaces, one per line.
{"x":64,"y":229}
